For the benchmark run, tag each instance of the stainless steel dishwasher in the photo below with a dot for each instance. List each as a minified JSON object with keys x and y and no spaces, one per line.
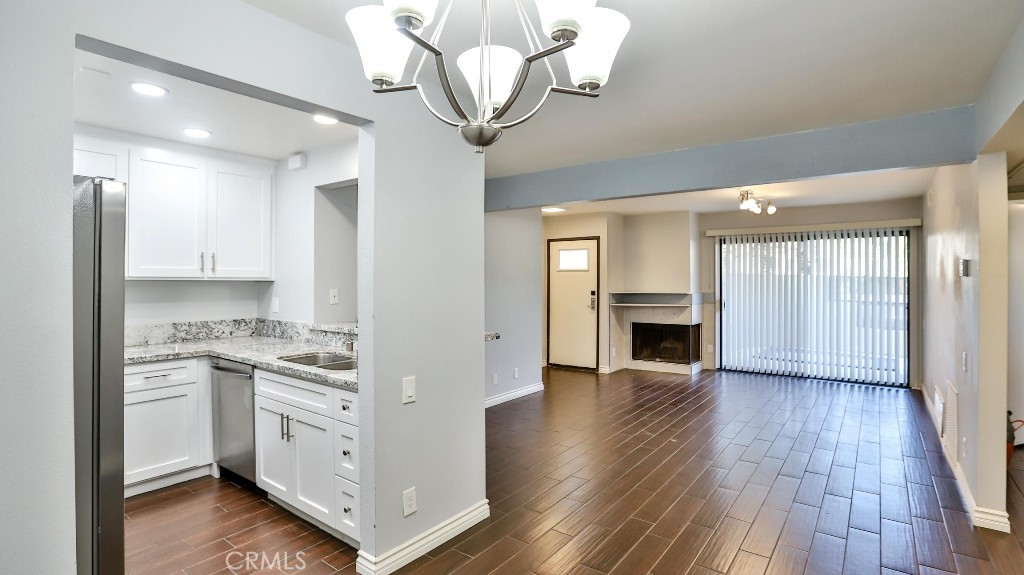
{"x":234,"y":447}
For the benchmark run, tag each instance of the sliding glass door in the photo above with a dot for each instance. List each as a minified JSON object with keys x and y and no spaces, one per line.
{"x":823,"y":304}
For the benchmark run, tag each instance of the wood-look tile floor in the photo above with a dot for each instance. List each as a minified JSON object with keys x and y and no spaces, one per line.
{"x":638,"y":473}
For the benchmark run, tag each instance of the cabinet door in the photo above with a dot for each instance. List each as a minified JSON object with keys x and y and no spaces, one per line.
{"x":240,"y":233}
{"x":313,"y":442}
{"x":274,"y":467}
{"x":100,"y":158}
{"x":161,"y":432}
{"x":166,"y":215}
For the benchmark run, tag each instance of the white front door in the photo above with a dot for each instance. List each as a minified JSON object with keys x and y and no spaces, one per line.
{"x":573,"y":302}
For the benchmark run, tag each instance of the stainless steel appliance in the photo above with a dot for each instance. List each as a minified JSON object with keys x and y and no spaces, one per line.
{"x":98,"y":262}
{"x":234,"y":445}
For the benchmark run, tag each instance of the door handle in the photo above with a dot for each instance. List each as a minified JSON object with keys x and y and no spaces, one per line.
{"x":593,"y":303}
{"x":229,"y":372}
{"x":283,"y":433}
{"x":288,"y":421}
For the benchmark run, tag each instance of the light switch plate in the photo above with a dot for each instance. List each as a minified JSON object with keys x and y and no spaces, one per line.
{"x":515,"y":373}
{"x":408,"y":389}
{"x":275,"y":305}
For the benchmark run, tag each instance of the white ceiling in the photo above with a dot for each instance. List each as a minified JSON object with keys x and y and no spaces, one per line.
{"x":104,"y":98}
{"x":709,"y":71}
{"x":844,"y":189}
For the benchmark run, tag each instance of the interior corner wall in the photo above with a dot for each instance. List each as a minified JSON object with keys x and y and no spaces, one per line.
{"x":965,"y":318}
{"x":513,"y":294}
{"x":295,"y":246}
{"x":37,"y":534}
{"x":1015,"y":378}
{"x":335,"y":215}
{"x":906,"y":208}
{"x":583,"y":225}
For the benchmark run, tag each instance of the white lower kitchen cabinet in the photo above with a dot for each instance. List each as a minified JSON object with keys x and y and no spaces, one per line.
{"x":161,"y":432}
{"x":347,"y":494}
{"x":295,"y":457}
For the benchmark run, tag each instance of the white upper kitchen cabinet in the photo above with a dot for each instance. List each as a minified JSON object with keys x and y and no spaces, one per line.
{"x":239,"y":237}
{"x":166,"y":215}
{"x":100,"y":158}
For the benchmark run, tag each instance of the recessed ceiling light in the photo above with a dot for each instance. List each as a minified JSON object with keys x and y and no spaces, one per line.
{"x":149,"y":89}
{"x":196,"y":133}
{"x":325,"y":120}
{"x":552,"y":210}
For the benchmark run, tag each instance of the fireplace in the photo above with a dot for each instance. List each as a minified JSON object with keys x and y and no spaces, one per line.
{"x":670,"y":343}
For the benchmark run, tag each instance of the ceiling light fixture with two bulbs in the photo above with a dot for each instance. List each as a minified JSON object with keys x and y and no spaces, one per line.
{"x":756,"y":205}
{"x":589,"y":36}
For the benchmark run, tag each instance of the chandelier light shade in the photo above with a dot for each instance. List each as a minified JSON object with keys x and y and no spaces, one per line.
{"x":505,"y":62}
{"x":590,"y":63}
{"x":756,"y":205}
{"x":383,"y":50}
{"x":561,"y":19}
{"x":414,"y":14}
{"x":385,"y":36}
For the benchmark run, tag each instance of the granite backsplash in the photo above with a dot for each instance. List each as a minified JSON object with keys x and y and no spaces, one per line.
{"x":333,"y":335}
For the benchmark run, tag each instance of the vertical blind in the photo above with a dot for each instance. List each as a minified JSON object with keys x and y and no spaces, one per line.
{"x":823,"y":304}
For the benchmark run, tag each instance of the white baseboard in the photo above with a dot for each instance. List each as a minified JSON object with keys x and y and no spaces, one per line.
{"x":604,"y":369}
{"x":980,"y":516}
{"x":393,"y":560}
{"x":521,"y":392}
{"x":166,"y":480}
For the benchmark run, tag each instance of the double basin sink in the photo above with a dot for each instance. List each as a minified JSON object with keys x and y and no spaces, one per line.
{"x":329,"y":361}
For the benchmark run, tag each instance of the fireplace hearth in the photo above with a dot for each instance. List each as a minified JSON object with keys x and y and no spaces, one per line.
{"x":669,"y":343}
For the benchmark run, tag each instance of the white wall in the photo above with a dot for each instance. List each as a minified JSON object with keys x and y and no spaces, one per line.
{"x":1015,"y":380}
{"x":295,"y":231}
{"x":513,"y":299}
{"x":149,"y":302}
{"x":37,"y":533}
{"x":335,"y":216}
{"x":657,"y":252}
{"x":965,"y":216}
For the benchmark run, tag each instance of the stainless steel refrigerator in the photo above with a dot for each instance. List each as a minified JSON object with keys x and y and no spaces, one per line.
{"x":98,"y":253}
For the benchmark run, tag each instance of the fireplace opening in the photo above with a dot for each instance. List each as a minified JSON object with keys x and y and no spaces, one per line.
{"x":668,"y":343}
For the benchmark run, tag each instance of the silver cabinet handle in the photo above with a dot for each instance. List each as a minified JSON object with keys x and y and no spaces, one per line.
{"x":213,"y":262}
{"x":346,"y":452}
{"x":288,"y":421}
{"x":283,"y":434}
{"x":156,"y":376}
{"x":202,"y":261}
{"x":348,"y":510}
{"x":229,"y":372}
{"x":344,"y":408}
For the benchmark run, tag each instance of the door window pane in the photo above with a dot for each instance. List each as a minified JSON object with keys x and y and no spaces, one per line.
{"x":574,"y":260}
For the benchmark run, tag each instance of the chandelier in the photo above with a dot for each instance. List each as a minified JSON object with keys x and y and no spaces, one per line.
{"x":756,"y":205}
{"x":589,"y":36}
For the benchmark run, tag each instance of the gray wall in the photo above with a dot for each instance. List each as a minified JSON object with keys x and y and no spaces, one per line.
{"x":335,"y":215}
{"x":148,"y":302}
{"x":37,"y":534}
{"x":513,"y":299}
{"x":966,"y":216}
{"x":295,"y":249}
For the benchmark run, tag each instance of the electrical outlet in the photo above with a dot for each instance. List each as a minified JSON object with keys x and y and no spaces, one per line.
{"x":408,"y":389}
{"x":334,"y":296}
{"x":515,"y":373}
{"x":963,"y":362}
{"x":409,"y":501}
{"x":275,"y":305}
{"x":709,"y":348}
{"x":494,"y":379}
{"x":963,"y":448}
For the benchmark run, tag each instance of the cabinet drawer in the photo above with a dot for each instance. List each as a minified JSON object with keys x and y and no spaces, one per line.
{"x":346,"y":451}
{"x":295,"y":392}
{"x":161,"y":374}
{"x":348,"y":507}
{"x":346,"y":407}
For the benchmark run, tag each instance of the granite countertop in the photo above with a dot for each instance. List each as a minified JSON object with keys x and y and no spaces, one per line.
{"x":259,"y":352}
